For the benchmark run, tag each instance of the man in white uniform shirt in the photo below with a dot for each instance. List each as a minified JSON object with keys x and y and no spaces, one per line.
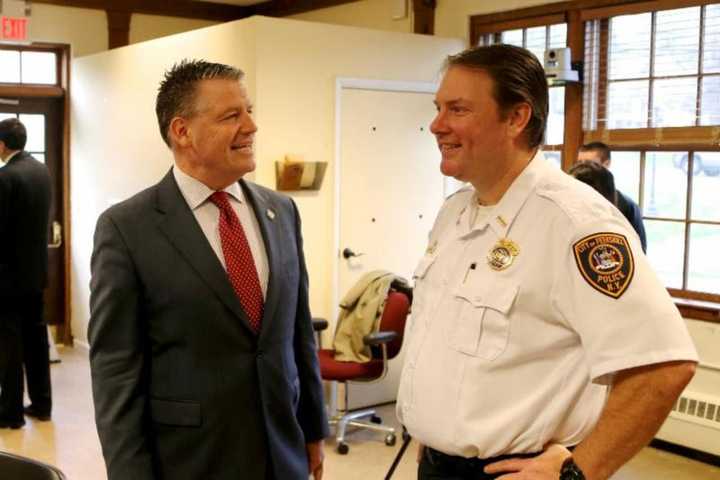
{"x":538,"y":325}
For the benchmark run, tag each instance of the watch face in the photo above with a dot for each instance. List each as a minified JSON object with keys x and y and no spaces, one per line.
{"x":570,"y":471}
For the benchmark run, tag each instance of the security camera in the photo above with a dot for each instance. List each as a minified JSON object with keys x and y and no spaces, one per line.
{"x":558,"y":69}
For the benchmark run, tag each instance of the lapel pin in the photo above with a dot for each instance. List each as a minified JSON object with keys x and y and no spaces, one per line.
{"x":270,"y":214}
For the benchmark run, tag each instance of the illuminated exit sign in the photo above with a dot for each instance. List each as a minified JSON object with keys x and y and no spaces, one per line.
{"x":13,"y":28}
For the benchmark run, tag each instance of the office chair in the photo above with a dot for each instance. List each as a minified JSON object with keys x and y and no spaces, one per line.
{"x":385,"y":345}
{"x":14,"y":467}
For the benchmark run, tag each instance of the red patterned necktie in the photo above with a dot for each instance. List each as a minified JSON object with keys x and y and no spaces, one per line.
{"x":239,"y":260}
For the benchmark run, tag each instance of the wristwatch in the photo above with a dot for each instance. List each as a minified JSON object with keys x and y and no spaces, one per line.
{"x":570,"y":471}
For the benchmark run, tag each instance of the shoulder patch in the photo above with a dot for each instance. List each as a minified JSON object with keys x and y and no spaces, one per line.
{"x":605,"y":262}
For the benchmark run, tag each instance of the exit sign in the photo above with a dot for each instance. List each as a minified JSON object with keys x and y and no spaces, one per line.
{"x":13,"y":28}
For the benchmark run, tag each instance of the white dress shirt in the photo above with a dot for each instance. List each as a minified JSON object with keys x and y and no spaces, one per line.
{"x":197,"y":196}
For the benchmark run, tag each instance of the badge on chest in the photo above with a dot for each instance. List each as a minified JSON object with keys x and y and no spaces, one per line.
{"x":503,"y":254}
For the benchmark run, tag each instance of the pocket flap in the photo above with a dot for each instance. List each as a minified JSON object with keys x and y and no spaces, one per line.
{"x":498,"y":295}
{"x":176,"y":412}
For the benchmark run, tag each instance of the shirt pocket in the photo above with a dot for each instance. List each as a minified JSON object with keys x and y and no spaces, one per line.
{"x":481,"y":327}
{"x":420,"y":290}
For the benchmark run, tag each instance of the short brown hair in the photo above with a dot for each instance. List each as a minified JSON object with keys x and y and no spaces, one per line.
{"x":517,"y":77}
{"x":599,"y":147}
{"x":176,"y":95}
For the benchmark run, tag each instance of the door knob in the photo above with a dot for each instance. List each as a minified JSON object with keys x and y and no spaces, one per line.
{"x":348,"y":253}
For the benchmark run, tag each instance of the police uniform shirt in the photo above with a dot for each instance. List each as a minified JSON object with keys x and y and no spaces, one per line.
{"x":520,"y":319}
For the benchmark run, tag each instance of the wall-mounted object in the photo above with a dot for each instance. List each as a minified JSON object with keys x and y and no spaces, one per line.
{"x":296,"y":174}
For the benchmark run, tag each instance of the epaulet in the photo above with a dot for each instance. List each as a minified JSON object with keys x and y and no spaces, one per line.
{"x":578,"y":201}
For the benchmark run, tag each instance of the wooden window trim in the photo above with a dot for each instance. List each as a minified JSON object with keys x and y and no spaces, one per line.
{"x":480,"y":28}
{"x":58,"y":49}
{"x":633,"y":7}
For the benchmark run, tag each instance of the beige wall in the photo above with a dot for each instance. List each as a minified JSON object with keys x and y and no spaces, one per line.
{"x":374,"y":14}
{"x":452,"y":17}
{"x":124,"y":153}
{"x":86,"y":29}
{"x":148,"y":27}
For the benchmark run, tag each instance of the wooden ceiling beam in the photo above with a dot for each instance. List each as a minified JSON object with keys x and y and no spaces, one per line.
{"x":282,"y":8}
{"x":172,"y":8}
{"x":218,"y":12}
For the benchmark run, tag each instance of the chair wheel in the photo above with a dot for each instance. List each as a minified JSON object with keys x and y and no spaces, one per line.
{"x":342,"y":448}
{"x":390,"y":439}
{"x":376,"y":419}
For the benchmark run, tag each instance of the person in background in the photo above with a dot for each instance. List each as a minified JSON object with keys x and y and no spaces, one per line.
{"x":600,"y":153}
{"x":527,"y":355}
{"x":598,"y":177}
{"x":24,"y":212}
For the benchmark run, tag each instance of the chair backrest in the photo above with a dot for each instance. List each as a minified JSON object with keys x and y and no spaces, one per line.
{"x":15,"y":467}
{"x":397,"y":307}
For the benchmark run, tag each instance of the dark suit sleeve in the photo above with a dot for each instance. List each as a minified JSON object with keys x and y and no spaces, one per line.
{"x":117,"y":356}
{"x":638,"y":225}
{"x":311,"y":409}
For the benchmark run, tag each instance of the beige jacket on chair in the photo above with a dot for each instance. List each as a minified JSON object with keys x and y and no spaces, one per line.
{"x":360,"y":312}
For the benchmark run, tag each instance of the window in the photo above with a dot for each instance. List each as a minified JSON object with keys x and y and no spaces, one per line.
{"x":662,"y":69}
{"x":678,"y":194}
{"x":28,"y":67}
{"x":651,"y":91}
{"x":537,"y":40}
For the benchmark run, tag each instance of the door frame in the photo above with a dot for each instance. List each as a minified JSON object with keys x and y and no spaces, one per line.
{"x":350,"y":83}
{"x":62,"y":89}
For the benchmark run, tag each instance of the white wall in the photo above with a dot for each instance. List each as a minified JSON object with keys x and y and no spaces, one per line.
{"x":291,"y":68}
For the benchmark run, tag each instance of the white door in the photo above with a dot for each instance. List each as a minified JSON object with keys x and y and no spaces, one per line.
{"x":391,"y":189}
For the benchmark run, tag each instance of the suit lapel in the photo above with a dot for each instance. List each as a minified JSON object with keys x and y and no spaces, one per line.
{"x":182,"y":230}
{"x":267,"y":213}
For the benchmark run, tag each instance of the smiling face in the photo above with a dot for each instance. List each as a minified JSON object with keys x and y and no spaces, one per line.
{"x":471,"y":131}
{"x":215,"y":144}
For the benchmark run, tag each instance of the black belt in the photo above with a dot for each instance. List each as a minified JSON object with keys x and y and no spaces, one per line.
{"x":464,"y":465}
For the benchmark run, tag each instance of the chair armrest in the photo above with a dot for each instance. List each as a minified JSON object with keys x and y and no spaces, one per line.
{"x":319,"y":324}
{"x":379,"y":338}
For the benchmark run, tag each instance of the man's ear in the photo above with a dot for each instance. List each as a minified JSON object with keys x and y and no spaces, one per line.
{"x":179,"y":132}
{"x":518,"y":118}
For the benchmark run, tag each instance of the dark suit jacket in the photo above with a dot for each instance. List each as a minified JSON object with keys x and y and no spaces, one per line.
{"x":183,"y":388}
{"x":24,"y":210}
{"x":631,"y":211}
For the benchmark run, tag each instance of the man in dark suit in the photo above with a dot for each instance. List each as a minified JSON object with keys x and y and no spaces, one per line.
{"x":24,"y":210}
{"x":598,"y":152}
{"x":201,"y":344}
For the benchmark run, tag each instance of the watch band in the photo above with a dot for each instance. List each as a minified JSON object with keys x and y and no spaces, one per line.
{"x":570,"y":470}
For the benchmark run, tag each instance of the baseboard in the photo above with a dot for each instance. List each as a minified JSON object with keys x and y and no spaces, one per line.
{"x":688,"y":452}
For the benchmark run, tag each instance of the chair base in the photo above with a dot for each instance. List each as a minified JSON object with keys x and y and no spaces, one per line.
{"x":342,"y":421}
